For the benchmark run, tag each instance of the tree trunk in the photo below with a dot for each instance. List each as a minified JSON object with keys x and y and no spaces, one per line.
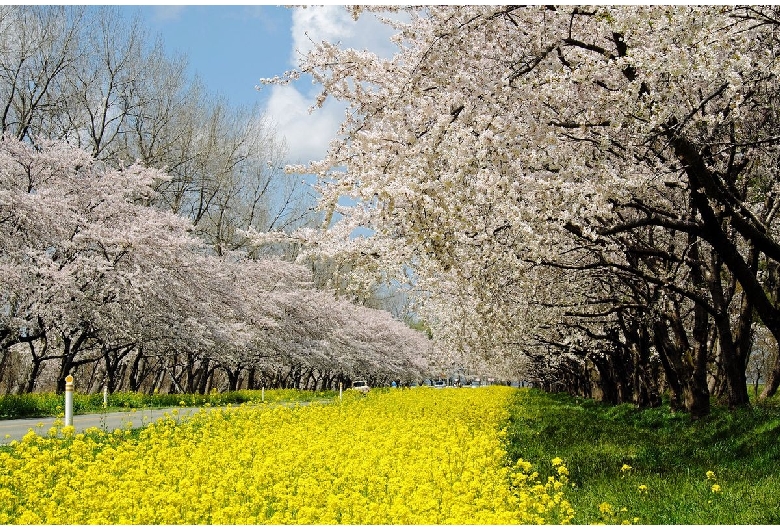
{"x":668,"y":356}
{"x":112,"y":359}
{"x":251,"y":383}
{"x":607,"y":383}
{"x":204,"y":374}
{"x":37,"y":366}
{"x":734,"y":345}
{"x":698,"y":398}
{"x":232,"y":376}
{"x":159,"y":377}
{"x":72,"y":345}
{"x":772,"y":382}
{"x":733,"y":357}
{"x":137,"y":376}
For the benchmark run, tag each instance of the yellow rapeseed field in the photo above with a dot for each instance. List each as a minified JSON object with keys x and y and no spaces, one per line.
{"x":419,"y":456}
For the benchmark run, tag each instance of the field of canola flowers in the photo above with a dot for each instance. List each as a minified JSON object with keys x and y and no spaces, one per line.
{"x":419,"y":456}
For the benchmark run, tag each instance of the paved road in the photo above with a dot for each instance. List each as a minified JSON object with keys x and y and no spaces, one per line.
{"x":16,"y":429}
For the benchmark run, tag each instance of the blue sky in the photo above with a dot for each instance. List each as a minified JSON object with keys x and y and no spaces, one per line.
{"x":232,"y":47}
{"x":229,"y":47}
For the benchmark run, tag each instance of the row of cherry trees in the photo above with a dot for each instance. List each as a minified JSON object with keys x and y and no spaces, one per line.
{"x":96,"y":283}
{"x":590,"y":194}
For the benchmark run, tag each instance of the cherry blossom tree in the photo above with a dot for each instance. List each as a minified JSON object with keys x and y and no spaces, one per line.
{"x":97,"y":282}
{"x":618,"y":159}
{"x":81,"y":248}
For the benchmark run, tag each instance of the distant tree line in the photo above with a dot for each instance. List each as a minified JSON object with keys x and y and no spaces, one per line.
{"x":95,"y":283}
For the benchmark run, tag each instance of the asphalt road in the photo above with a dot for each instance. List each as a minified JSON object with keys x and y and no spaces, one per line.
{"x":16,"y":429}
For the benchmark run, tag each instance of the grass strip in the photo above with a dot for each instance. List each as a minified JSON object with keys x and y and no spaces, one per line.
{"x":50,"y":404}
{"x":654,"y":466}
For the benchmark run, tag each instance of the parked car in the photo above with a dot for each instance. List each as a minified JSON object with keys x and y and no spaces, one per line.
{"x":439,"y":384}
{"x":360,"y":386}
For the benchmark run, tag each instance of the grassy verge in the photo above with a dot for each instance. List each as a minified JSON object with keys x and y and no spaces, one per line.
{"x":651,"y":466}
{"x":40,"y":405}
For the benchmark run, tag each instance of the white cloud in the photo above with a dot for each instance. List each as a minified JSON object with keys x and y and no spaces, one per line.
{"x":332,"y":23}
{"x":308,"y":134}
{"x":322,"y":23}
{"x":167,"y":13}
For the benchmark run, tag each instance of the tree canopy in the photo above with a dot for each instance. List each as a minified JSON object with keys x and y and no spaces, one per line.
{"x":95,"y":280}
{"x":592,"y":192}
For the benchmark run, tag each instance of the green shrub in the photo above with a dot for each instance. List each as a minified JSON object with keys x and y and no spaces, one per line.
{"x":31,"y":405}
{"x":39,"y":405}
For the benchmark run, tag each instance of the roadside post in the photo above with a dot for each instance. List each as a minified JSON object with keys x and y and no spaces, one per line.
{"x":68,"y":400}
{"x":341,"y":385}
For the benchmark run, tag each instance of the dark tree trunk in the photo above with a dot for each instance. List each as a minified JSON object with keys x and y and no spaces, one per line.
{"x":251,"y":384}
{"x":112,"y":359}
{"x":233,"y":376}
{"x":607,"y":382}
{"x":668,"y":355}
{"x":204,"y":375}
{"x":36,"y":366}
{"x":699,"y":397}
{"x":137,"y":373}
{"x":72,"y":345}
{"x":773,"y":287}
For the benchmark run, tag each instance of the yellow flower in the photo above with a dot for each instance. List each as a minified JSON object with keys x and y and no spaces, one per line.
{"x":625,"y":468}
{"x":605,"y":508}
{"x":710,"y":475}
{"x":380,"y":474}
{"x":556,"y":461}
{"x":642,"y":488}
{"x":715,"y":488}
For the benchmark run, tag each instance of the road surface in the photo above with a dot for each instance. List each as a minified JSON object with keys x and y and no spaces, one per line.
{"x":16,"y":429}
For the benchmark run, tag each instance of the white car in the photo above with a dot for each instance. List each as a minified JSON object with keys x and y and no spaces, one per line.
{"x":360,"y":386}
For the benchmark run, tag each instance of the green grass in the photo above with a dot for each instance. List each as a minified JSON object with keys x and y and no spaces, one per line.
{"x":668,"y":453}
{"x":45,"y":404}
